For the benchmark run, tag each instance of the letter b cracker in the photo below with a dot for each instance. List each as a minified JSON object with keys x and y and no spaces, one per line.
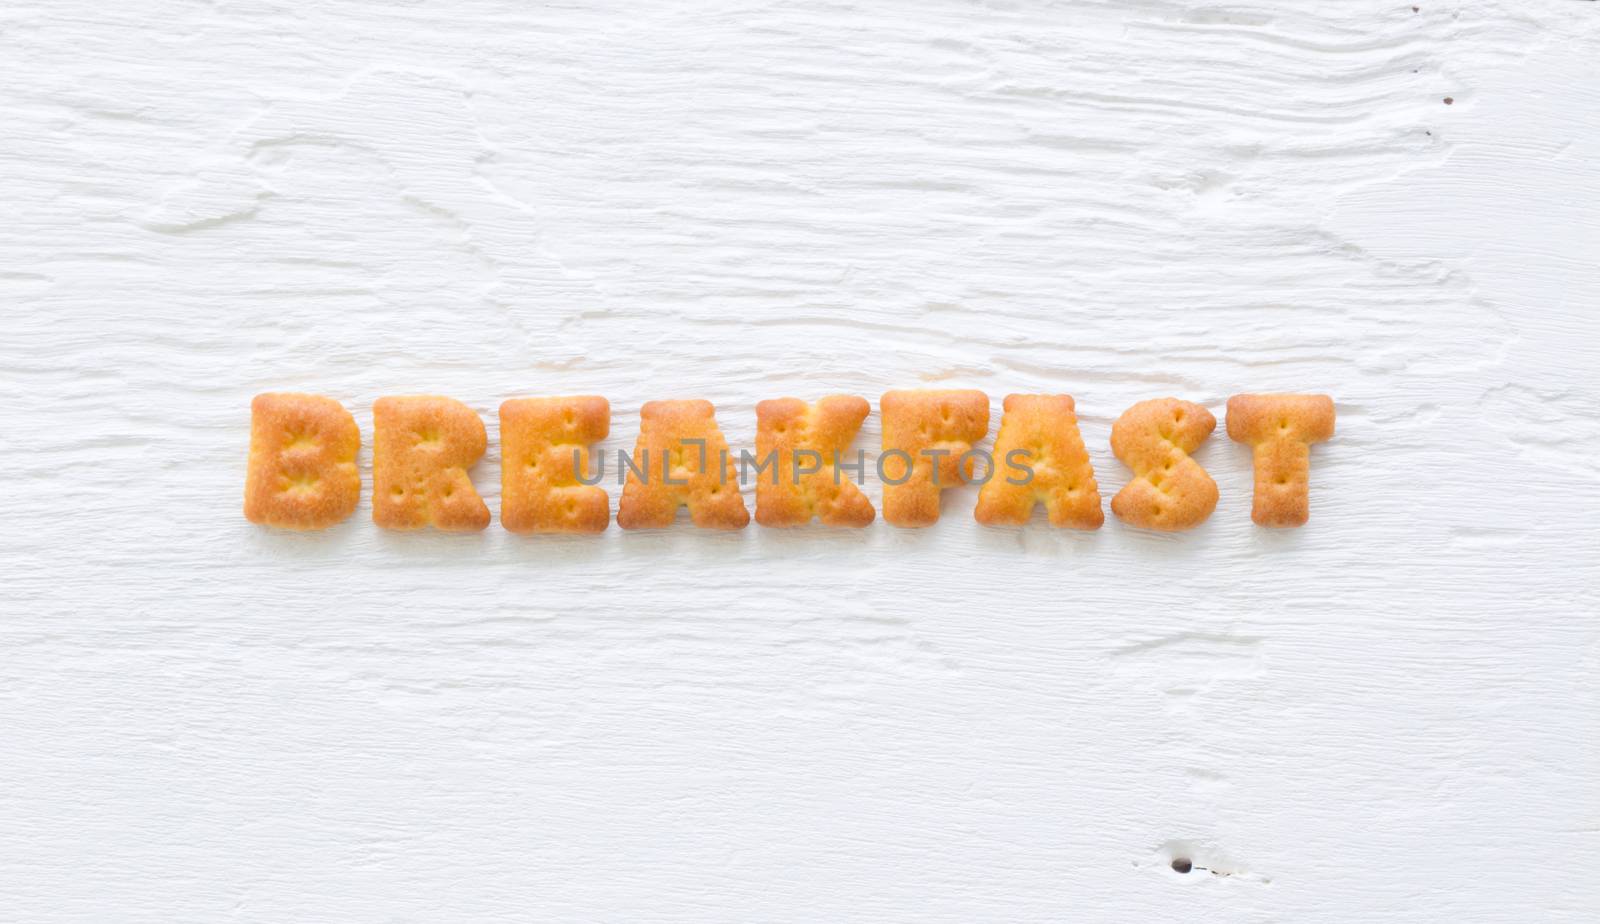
{"x":302,"y":471}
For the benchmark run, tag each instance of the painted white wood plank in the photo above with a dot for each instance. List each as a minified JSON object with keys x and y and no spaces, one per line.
{"x":1387,"y":715}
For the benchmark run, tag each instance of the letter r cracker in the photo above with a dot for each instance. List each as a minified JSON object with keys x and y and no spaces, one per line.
{"x":302,"y":472}
{"x":544,"y":449}
{"x":422,"y":447}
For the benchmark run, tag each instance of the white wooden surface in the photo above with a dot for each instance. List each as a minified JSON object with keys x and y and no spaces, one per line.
{"x":1389,"y":715}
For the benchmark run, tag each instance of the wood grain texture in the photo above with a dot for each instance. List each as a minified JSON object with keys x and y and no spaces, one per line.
{"x":1387,"y":715}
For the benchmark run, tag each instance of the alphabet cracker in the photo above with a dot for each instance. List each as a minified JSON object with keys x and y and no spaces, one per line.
{"x":1169,"y":490}
{"x":1280,"y":430}
{"x":422,"y":447}
{"x":544,"y":448}
{"x":302,"y":472}
{"x":685,"y":460}
{"x":925,"y":435}
{"x":804,"y":442}
{"x":1039,"y":446}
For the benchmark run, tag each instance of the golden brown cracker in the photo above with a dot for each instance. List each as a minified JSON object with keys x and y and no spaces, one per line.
{"x":925,"y":435}
{"x":679,"y":470}
{"x":544,"y":449}
{"x":810,"y":484}
{"x":1280,"y":430}
{"x":422,"y":446}
{"x":1169,"y":490}
{"x":302,"y":472}
{"x":1040,"y":457}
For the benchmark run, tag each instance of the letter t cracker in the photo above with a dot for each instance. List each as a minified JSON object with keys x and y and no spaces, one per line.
{"x":805,"y":442}
{"x":925,"y":434}
{"x":1280,"y":430}
{"x":422,"y":447}
{"x":544,"y":448}
{"x":302,"y":471}
{"x":685,"y":460}
{"x":1041,"y":433}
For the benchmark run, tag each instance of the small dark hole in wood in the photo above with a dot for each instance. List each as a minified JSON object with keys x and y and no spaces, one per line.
{"x":1182,"y":865}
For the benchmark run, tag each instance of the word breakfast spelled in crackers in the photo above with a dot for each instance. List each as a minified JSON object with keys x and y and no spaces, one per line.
{"x":302,"y":472}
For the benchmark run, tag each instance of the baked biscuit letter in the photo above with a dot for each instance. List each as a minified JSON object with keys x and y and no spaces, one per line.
{"x":1169,"y":490}
{"x":302,"y":472}
{"x":683,"y":459}
{"x":422,"y":447}
{"x":544,"y":451}
{"x":806,"y":441}
{"x":1280,"y":430}
{"x":1050,"y":465}
{"x":925,"y":436}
